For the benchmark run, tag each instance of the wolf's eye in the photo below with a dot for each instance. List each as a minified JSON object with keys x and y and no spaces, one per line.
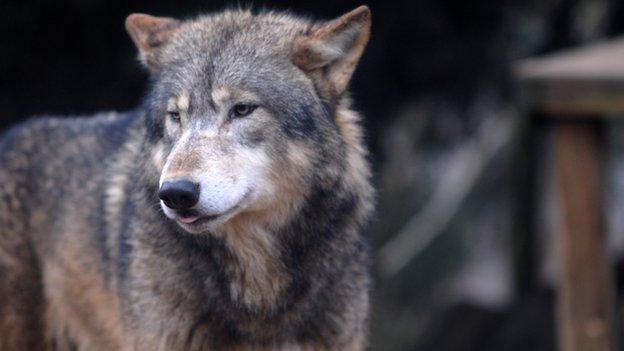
{"x":242,"y":110}
{"x":174,"y":115}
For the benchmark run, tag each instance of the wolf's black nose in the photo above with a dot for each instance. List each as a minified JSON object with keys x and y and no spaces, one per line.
{"x":179,"y":195}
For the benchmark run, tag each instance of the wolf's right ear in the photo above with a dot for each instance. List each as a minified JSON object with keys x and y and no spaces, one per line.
{"x":149,"y":33}
{"x":331,"y":51}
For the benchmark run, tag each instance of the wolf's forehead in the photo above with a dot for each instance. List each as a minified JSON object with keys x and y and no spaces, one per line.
{"x":219,"y":75}
{"x":243,"y":51}
{"x":235,"y":35}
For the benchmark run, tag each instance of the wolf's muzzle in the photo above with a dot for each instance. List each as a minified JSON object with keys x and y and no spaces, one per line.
{"x":180,"y":194}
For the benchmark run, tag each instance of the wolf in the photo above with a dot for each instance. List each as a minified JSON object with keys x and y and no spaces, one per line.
{"x":226,"y":212}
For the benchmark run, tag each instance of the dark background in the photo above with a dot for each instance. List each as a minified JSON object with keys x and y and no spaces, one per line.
{"x":434,"y":67}
{"x":67,"y":57}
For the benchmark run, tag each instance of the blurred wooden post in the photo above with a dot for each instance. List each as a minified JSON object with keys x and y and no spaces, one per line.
{"x":585,"y":302}
{"x":574,"y":90}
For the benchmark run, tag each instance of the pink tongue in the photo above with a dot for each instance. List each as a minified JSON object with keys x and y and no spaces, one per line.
{"x":189,"y":220}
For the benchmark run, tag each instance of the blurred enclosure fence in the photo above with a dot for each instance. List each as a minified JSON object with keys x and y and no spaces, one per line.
{"x":564,"y":126}
{"x":505,"y":231}
{"x":576,"y":91}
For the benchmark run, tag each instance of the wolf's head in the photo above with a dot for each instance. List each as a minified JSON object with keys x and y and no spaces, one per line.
{"x":243,"y":111}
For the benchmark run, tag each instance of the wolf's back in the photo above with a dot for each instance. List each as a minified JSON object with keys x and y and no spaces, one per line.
{"x":47,"y":163}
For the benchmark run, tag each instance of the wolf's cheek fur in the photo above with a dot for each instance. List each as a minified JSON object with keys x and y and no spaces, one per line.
{"x":231,"y":176}
{"x":159,"y":156}
{"x":237,"y":181}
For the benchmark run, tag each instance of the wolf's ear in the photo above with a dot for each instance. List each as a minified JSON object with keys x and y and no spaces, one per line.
{"x":149,"y":34}
{"x":334,"y":48}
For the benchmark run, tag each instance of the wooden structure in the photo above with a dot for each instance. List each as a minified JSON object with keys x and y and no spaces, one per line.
{"x":576,"y":90}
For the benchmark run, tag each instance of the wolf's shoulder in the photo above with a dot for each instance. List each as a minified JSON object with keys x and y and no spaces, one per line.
{"x":49,"y":131}
{"x":79,"y":140}
{"x":46,"y":124}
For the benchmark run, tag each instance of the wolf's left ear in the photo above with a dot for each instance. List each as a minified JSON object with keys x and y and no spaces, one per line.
{"x":333,"y":49}
{"x":149,"y":33}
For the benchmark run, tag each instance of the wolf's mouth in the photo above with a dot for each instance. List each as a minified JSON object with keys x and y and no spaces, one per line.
{"x":194,"y":217}
{"x":189,"y":219}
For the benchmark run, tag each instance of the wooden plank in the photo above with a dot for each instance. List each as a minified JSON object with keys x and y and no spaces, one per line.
{"x":585,"y":302}
{"x":574,"y":99}
{"x":600,"y":61}
{"x":577,"y":82}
